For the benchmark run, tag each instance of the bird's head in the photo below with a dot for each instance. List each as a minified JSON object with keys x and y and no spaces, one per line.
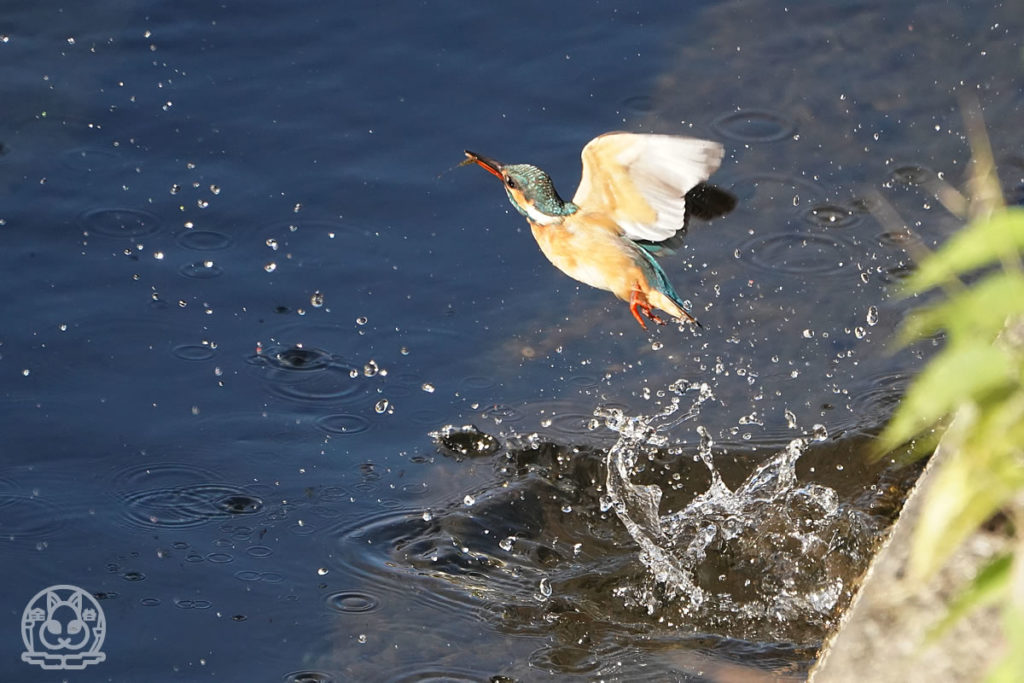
{"x":528,"y":188}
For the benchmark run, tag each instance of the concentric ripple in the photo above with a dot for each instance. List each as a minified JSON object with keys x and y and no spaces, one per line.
{"x":641,"y":104}
{"x":204,"y":240}
{"x":121,"y":222}
{"x":187,"y":506}
{"x":404,"y":555}
{"x":831,"y":216}
{"x":771,"y":192}
{"x":27,"y":522}
{"x":293,"y":358}
{"x":194,"y":352}
{"x":150,"y":476}
{"x":307,"y":677}
{"x":309,"y":374}
{"x":876,"y":398}
{"x":754,"y":125}
{"x":430,"y":673}
{"x":573,"y":424}
{"x":201,"y":270}
{"x":799,"y":253}
{"x":502,"y":413}
{"x":352,"y":602}
{"x":913,"y":174}
{"x":343,"y":423}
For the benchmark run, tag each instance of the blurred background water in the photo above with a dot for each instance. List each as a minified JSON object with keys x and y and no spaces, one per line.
{"x":245,"y":285}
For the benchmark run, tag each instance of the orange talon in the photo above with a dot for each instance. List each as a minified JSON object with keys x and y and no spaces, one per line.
{"x":634,"y":301}
{"x":637,"y":300}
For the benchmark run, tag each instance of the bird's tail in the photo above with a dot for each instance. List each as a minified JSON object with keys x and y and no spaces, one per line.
{"x":671,"y":306}
{"x":662,"y":294}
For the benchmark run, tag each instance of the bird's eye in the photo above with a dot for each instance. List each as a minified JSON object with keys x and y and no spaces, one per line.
{"x":511,"y":183}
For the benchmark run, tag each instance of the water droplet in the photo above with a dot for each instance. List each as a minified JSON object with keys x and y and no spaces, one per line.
{"x":361,"y":638}
{"x":361,"y":320}
{"x":657,"y":346}
{"x":382,"y":406}
{"x":859,"y":332}
{"x":272,"y":243}
{"x":808,"y":334}
{"x":545,"y":588}
{"x":507,"y":543}
{"x":469,"y":500}
{"x":215,"y":189}
{"x":371,"y":368}
{"x":872,"y":316}
{"x":270,"y":267}
{"x":820,"y":433}
{"x":429,"y":388}
{"x":317,"y":300}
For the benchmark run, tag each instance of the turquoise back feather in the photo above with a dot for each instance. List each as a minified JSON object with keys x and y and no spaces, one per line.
{"x":659,"y":279}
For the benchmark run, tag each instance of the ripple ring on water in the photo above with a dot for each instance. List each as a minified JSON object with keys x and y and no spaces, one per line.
{"x":121,"y":222}
{"x":754,"y":125}
{"x":799,"y":253}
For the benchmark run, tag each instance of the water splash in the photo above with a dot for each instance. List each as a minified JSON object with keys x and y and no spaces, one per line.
{"x":778,"y":540}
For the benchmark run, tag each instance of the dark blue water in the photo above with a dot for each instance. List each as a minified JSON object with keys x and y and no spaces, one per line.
{"x":243,"y":285}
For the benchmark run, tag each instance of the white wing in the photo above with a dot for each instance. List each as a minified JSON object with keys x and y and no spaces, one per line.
{"x":640,"y":180}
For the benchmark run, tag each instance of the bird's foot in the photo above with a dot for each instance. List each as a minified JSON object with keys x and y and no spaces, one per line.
{"x":637,"y":303}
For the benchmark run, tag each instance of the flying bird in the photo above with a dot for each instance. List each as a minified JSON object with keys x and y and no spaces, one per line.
{"x":631,"y":201}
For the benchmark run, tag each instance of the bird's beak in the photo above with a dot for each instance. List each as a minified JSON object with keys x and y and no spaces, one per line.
{"x":489,"y":165}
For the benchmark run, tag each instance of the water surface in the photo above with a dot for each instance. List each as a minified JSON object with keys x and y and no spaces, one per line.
{"x":245,"y":286}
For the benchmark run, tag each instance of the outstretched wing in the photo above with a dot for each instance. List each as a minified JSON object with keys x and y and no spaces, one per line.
{"x":641,"y":180}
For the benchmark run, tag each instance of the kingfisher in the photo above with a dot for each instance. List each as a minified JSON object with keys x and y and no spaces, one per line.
{"x":630,"y":204}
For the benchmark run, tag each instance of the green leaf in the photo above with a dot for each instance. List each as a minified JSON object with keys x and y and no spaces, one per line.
{"x":989,"y":585}
{"x":981,"y":242}
{"x":960,"y":499}
{"x":981,"y":474}
{"x":1009,"y":669}
{"x":955,"y":376}
{"x":975,"y":315}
